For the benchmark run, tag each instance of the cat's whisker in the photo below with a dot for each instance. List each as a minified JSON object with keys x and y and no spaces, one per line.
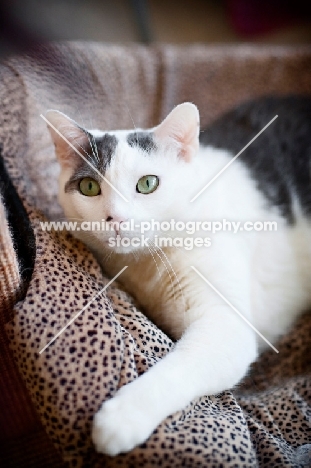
{"x":94,"y":148}
{"x":81,"y":147}
{"x":135,"y":254}
{"x":174,"y":273}
{"x":165,"y":266}
{"x":150,"y":251}
{"x":81,"y":119}
{"x":108,"y":256}
{"x":132,"y":122}
{"x":84,"y":150}
{"x":92,"y":143}
{"x":178,"y":282}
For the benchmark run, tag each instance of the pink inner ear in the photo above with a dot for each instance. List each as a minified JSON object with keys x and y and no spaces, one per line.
{"x":65,"y":153}
{"x":72,"y":134}
{"x":181,"y":128}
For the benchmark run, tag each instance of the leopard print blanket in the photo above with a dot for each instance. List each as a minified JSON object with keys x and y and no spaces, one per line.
{"x":266,"y":420}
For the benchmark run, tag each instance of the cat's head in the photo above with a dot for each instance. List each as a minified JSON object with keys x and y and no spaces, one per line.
{"x":121,"y":175}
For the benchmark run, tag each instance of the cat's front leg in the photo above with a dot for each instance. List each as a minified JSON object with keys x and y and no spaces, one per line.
{"x":213,"y":355}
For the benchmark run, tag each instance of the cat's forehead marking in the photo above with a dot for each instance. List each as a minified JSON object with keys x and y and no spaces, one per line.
{"x":106,"y":147}
{"x":100,"y":151}
{"x":142,"y":140}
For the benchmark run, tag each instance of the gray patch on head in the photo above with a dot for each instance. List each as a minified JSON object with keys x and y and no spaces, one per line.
{"x":99,"y":152}
{"x":142,"y":140}
{"x":106,"y":147}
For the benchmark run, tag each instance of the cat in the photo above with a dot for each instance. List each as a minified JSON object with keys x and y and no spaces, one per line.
{"x":261,"y":276}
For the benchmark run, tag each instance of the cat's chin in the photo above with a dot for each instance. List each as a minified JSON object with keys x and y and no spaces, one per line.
{"x":111,"y":246}
{"x":135,"y":245}
{"x":126,"y":250}
{"x":106,"y":247}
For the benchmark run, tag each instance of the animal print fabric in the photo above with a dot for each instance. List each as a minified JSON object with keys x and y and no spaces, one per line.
{"x":266,"y":421}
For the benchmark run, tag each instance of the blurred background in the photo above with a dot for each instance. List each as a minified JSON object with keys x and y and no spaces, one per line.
{"x":25,"y":22}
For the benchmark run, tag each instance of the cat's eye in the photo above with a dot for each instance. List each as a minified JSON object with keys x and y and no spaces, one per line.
{"x":147,"y":184}
{"x":89,"y":187}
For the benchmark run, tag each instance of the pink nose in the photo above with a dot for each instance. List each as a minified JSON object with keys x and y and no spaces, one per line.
{"x":116,"y":221}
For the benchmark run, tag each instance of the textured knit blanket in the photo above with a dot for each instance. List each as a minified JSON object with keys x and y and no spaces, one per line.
{"x":46,"y":278}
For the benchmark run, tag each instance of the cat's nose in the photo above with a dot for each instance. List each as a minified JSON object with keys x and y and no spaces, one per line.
{"x":115,"y":219}
{"x":117,"y":222}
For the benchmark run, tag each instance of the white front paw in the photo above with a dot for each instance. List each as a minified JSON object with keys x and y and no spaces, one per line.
{"x":121,"y":424}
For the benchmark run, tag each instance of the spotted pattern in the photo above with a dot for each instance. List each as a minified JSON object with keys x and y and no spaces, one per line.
{"x":267,"y":420}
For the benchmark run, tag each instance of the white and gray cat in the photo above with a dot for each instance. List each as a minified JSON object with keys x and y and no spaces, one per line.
{"x":265,"y":276}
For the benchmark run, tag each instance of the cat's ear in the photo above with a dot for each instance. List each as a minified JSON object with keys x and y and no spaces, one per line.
{"x":181,"y":128}
{"x":66,"y":135}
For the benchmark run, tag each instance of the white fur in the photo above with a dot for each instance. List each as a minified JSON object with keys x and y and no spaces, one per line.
{"x":265,"y":275}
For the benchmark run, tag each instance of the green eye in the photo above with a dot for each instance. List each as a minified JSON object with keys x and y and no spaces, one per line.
{"x":147,"y":184}
{"x":89,"y":187}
